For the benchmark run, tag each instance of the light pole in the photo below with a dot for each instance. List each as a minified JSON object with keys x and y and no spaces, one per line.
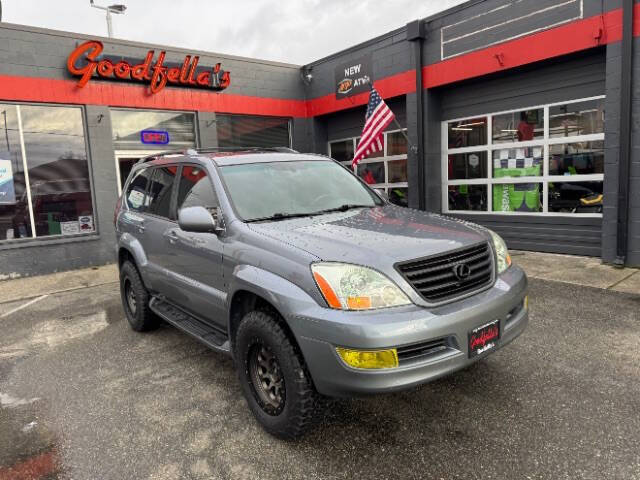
{"x":117,"y":9}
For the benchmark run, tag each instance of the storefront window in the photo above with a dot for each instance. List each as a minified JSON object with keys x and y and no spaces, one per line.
{"x":173,"y":130}
{"x":396,"y":144}
{"x":386,"y":170}
{"x":342,"y":150}
{"x":467,"y":133}
{"x":560,"y":170}
{"x":58,"y":200}
{"x":468,"y":197}
{"x":252,"y":131}
{"x":517,"y":197}
{"x":517,"y":162}
{"x":372,"y":172}
{"x":575,"y":197}
{"x":578,"y":118}
{"x":580,"y":158}
{"x":397,"y":170}
{"x":467,"y":165}
{"x":520,"y":126}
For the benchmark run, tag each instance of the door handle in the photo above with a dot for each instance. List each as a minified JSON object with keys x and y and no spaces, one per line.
{"x":172,"y":236}
{"x":141,"y":227}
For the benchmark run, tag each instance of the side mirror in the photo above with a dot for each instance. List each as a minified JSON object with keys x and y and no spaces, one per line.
{"x":197,"y":219}
{"x":382,"y":194}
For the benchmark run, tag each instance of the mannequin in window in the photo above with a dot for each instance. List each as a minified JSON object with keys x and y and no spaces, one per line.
{"x":525,"y":129}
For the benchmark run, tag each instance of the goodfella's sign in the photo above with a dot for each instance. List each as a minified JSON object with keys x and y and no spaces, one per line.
{"x":87,"y":62}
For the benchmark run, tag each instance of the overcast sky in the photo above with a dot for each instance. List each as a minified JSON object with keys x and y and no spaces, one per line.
{"x":293,"y":31}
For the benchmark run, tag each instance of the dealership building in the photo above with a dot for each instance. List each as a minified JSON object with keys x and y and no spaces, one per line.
{"x":523,"y":116}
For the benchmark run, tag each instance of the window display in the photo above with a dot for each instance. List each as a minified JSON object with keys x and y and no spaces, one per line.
{"x":47,"y":188}
{"x":560,"y":170}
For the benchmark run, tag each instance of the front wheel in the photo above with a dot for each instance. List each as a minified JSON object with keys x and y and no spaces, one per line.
{"x":274,"y":378}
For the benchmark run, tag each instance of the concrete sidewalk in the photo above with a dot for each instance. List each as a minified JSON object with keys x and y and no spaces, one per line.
{"x":545,"y":266}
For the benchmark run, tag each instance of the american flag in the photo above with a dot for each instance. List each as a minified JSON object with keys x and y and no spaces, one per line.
{"x":377,"y":118}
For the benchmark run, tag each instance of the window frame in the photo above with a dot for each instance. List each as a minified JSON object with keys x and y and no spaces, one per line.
{"x":385,"y":158}
{"x":544,"y":179}
{"x":59,"y":238}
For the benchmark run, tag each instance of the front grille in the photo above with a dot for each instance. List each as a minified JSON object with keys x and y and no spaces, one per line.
{"x":421,"y":351}
{"x":434,"y":277}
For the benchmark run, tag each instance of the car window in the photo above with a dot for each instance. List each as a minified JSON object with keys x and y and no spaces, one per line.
{"x":293,"y":187}
{"x":135,"y":195}
{"x":196,"y":189}
{"x":160,"y":189}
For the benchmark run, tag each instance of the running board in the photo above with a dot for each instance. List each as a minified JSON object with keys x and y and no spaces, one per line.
{"x":206,"y":334}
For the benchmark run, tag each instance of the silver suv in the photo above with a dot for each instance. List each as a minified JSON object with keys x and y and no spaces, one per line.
{"x":313,"y":282}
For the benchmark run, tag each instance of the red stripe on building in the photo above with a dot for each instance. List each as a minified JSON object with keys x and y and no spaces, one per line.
{"x":398,"y":84}
{"x":573,"y":37}
{"x":32,"y":89}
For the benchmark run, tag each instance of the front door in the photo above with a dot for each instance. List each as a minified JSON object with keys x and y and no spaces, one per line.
{"x":196,"y":258}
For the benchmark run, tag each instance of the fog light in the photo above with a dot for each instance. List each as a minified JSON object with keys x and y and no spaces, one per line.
{"x":526,"y":302}
{"x":369,"y":358}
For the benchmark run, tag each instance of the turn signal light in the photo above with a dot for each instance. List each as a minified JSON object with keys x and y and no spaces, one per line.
{"x":370,"y":359}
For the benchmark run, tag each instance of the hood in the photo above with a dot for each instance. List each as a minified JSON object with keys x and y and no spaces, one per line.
{"x":377,"y":237}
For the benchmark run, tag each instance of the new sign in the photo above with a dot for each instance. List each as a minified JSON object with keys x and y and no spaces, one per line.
{"x":7,"y":190}
{"x":353,"y":77}
{"x":87,"y":62}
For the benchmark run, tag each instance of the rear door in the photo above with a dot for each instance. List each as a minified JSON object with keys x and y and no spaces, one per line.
{"x":160,"y":217}
{"x":196,"y":258}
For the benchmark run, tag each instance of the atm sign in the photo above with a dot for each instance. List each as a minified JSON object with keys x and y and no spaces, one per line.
{"x":154,"y":137}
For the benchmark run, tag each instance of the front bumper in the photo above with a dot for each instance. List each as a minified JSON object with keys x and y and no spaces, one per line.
{"x":320,"y":330}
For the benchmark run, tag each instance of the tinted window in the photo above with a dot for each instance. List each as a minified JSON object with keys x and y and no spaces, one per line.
{"x":160,"y":191}
{"x":135,"y":196}
{"x":195,"y":189}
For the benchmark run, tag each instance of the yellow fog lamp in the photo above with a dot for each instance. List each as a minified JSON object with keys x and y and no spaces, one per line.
{"x":526,"y":302}
{"x":371,"y":359}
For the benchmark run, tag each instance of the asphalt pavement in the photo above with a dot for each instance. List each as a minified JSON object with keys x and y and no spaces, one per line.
{"x":84,"y":397}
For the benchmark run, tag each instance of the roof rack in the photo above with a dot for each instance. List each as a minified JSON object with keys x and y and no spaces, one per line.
{"x":196,"y":151}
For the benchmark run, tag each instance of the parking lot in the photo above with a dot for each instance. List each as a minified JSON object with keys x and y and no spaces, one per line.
{"x":83,"y":397}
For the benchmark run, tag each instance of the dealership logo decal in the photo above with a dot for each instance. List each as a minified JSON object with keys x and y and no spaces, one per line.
{"x":353,"y":77}
{"x":86,"y":62}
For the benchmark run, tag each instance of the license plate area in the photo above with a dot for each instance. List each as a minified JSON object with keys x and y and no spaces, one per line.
{"x":483,"y":338}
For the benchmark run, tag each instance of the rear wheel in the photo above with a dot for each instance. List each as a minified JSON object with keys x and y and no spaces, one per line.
{"x":135,"y":299}
{"x":274,"y":377}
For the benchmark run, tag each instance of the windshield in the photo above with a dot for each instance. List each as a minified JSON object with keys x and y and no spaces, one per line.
{"x":296,"y":188}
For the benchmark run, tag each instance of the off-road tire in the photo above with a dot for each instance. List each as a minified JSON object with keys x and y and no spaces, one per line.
{"x":302,"y":403}
{"x":140,"y":318}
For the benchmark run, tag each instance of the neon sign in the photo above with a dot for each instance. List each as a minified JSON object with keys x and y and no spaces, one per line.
{"x":86,"y":62}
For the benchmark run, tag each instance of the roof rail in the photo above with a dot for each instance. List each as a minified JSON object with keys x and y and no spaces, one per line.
{"x":196,"y":151}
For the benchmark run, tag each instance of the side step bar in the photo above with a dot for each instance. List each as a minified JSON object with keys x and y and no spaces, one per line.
{"x":208,"y":335}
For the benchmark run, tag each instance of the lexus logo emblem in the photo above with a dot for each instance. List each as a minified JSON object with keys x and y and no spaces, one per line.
{"x":462,"y":271}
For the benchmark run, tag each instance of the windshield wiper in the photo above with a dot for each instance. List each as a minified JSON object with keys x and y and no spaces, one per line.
{"x":343,"y":208}
{"x":282,"y":216}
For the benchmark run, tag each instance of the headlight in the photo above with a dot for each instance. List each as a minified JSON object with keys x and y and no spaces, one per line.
{"x":352,"y":287}
{"x":502,"y":252}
